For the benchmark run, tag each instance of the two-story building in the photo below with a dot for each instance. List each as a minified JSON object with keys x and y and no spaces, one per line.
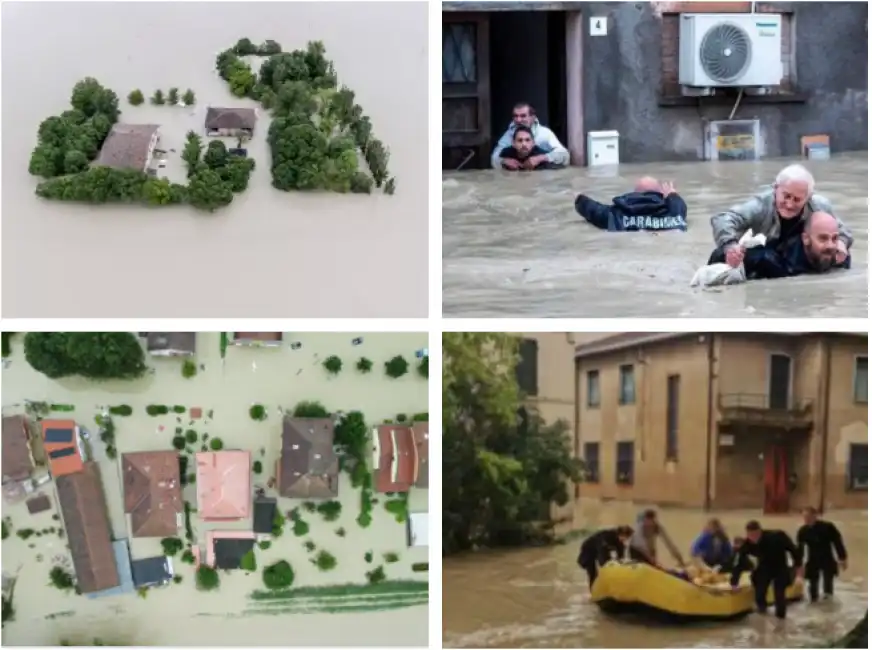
{"x":724,"y":420}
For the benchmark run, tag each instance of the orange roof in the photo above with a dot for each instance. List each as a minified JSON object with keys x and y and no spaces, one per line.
{"x":61,"y":450}
{"x":398,"y":458}
{"x":224,"y":484}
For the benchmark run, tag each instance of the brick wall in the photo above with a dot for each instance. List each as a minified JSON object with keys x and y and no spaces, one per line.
{"x":669,"y":17}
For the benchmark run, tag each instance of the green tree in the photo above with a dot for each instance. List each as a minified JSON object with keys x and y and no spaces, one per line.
{"x":279,"y":575}
{"x":244,"y":47}
{"x":501,"y":471}
{"x":158,"y":98}
{"x":189,"y":98}
{"x":75,"y":161}
{"x":61,"y":578}
{"x":94,"y":355}
{"x":207,"y":578}
{"x":171,"y":545}
{"x":324,"y":560}
{"x":173,"y":96}
{"x":192,"y":152}
{"x":206,"y":191}
{"x":135,"y":98}
{"x":189,"y":369}
{"x":248,"y":561}
{"x":236,"y":173}
{"x":216,"y":155}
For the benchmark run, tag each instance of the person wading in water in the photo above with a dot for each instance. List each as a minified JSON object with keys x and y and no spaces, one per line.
{"x":821,"y":538}
{"x":599,"y":548}
{"x":643,"y":543}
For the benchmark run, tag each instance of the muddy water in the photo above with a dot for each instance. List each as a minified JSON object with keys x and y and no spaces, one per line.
{"x":539,"y":597}
{"x":513,"y":245}
{"x":285,"y":254}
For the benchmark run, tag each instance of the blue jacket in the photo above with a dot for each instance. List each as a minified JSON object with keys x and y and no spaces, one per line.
{"x":635,"y":211}
{"x":781,"y":260}
{"x":715,"y":550}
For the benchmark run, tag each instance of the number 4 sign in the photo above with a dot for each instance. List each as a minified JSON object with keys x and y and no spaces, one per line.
{"x":599,"y":26}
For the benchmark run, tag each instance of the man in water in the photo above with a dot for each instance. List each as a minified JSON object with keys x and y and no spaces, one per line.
{"x":771,"y":548}
{"x":643,"y":543}
{"x":554,"y":153}
{"x":821,"y":538}
{"x":598,"y":549}
{"x":779,"y":213}
{"x":712,"y":546}
{"x":524,"y":154}
{"x":651,"y":205}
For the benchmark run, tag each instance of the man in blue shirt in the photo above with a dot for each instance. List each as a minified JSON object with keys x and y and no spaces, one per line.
{"x":553,"y":152}
{"x":713,"y":546}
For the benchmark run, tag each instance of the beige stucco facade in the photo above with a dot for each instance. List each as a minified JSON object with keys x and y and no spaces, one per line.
{"x":725,"y":423}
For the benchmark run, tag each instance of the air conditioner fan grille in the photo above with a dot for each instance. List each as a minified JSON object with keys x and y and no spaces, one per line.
{"x":725,"y":52}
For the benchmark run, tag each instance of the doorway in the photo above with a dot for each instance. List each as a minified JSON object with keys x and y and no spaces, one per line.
{"x":776,"y":480}
{"x":780,"y":373}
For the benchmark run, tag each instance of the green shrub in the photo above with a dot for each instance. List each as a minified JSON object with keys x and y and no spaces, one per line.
{"x":257,"y":412}
{"x":340,"y":532}
{"x":179,"y":442}
{"x":376,"y":576}
{"x":171,"y":545}
{"x":135,"y":97}
{"x":123,"y":410}
{"x":264,"y":545}
{"x":310,"y":506}
{"x":188,"y":557}
{"x":177,"y":579}
{"x":7,"y":344}
{"x":368,"y":557}
{"x":421,"y":417}
{"x":324,"y":560}
{"x":401,"y":417}
{"x":333,"y":364}
{"x":60,"y":578}
{"x":158,"y":98}
{"x":396,"y":367}
{"x":156,"y":409}
{"x":391,"y":557}
{"x":399,"y":508}
{"x":309,"y":545}
{"x":207,"y":578}
{"x":189,"y":97}
{"x":364,"y":365}
{"x":173,"y":96}
{"x":179,"y":409}
{"x":191,"y":436}
{"x":25,"y":533}
{"x":424,"y":367}
{"x":248,"y":561}
{"x":189,"y":368}
{"x":257,"y":467}
{"x":216,"y":444}
{"x":330,"y":510}
{"x":310,"y":409}
{"x":420,"y":567}
{"x":301,"y":528}
{"x":278,"y":526}
{"x":5,"y":529}
{"x":189,"y":530}
{"x":279,"y":575}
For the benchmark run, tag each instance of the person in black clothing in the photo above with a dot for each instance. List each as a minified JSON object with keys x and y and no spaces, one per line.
{"x":651,"y":206}
{"x":524,"y":153}
{"x":742,"y":562}
{"x":771,"y":548}
{"x":597,"y":549}
{"x":821,"y":538}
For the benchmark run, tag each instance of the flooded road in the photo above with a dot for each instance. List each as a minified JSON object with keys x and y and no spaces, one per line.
{"x":513,"y":245}
{"x":539,"y":597}
{"x":303,"y":254}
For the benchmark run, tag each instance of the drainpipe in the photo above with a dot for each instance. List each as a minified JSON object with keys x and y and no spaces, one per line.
{"x":828,"y":369}
{"x":709,"y":421}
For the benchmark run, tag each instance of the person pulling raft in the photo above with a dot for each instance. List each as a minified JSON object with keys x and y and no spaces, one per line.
{"x":601,"y":547}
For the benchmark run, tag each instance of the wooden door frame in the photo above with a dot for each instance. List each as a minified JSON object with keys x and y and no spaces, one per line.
{"x":483,"y":86}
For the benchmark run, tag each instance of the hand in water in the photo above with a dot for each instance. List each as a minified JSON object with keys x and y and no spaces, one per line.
{"x":511,"y":163}
{"x":841,"y":252}
{"x":735,"y":254}
{"x":667,"y":188}
{"x":843,"y":565}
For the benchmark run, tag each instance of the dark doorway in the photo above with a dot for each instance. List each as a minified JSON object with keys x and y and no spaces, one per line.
{"x":779,"y":381}
{"x":776,"y":499}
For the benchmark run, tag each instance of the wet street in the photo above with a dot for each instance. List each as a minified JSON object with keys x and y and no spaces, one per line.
{"x":539,"y":597}
{"x":513,"y":245}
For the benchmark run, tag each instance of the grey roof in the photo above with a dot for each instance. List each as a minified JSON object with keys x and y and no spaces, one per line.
{"x":181,"y":341}
{"x":264,"y":514}
{"x":309,"y":467}
{"x":151,"y":571}
{"x":229,"y":552}
{"x":230,"y":118}
{"x":126,"y":146}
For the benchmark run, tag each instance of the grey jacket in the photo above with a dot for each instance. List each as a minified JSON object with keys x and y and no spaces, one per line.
{"x":758,"y":213}
{"x":647,"y":544}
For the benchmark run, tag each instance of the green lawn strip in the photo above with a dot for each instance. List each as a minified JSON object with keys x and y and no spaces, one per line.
{"x":341,"y":600}
{"x":62,"y":407}
{"x":340,"y":609}
{"x":387,"y":587}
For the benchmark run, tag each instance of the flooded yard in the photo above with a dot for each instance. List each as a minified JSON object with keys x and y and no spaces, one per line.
{"x":513,"y":245}
{"x":225,"y":388}
{"x":538,"y":598}
{"x":295,"y":253}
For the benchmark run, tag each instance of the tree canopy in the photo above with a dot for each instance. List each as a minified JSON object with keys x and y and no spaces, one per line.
{"x":95,"y":355}
{"x":501,"y":472}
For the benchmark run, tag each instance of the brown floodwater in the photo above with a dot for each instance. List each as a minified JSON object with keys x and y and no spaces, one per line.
{"x":513,"y":245}
{"x":539,"y":597}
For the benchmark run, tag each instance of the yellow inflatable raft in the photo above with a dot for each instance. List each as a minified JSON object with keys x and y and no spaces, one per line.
{"x":641,"y":588}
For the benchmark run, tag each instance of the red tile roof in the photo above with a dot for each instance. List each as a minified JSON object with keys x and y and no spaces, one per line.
{"x":152,"y":492}
{"x":398,"y":458}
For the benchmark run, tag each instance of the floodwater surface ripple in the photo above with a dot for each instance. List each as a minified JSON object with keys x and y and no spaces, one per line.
{"x":269,"y":254}
{"x":513,"y":245}
{"x":538,"y":598}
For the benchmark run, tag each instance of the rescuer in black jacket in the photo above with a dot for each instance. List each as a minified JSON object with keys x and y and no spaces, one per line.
{"x":651,"y":206}
{"x":821,"y":538}
{"x":597,"y":549}
{"x":771,"y":548}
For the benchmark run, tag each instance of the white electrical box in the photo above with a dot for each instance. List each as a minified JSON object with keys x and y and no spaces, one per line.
{"x":602,"y":148}
{"x":729,"y":50}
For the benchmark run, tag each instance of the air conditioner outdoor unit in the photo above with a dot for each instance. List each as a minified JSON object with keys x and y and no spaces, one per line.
{"x":734,"y":50}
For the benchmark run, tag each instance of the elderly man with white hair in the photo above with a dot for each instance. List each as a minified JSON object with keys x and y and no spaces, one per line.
{"x":778,"y":213}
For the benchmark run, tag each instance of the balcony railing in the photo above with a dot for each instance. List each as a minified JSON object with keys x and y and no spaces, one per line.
{"x":760,"y":409}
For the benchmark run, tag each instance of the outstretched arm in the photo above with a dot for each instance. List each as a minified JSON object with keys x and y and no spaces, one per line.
{"x":728,"y":226}
{"x":595,"y":212}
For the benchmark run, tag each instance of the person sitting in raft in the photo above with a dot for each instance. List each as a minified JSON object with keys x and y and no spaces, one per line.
{"x":652,"y":206}
{"x":643,"y":543}
{"x":601,"y":547}
{"x":778,"y":213}
{"x":524,"y":154}
{"x":712,"y":546}
{"x":554,"y":153}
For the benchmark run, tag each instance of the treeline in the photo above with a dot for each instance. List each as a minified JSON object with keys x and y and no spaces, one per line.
{"x":502,"y":467}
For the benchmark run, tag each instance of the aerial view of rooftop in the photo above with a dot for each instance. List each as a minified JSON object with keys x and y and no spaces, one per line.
{"x":167,"y":139}
{"x":190,"y":489}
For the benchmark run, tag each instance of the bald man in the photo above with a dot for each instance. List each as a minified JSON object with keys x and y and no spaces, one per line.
{"x":651,"y":206}
{"x":814,"y":250}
